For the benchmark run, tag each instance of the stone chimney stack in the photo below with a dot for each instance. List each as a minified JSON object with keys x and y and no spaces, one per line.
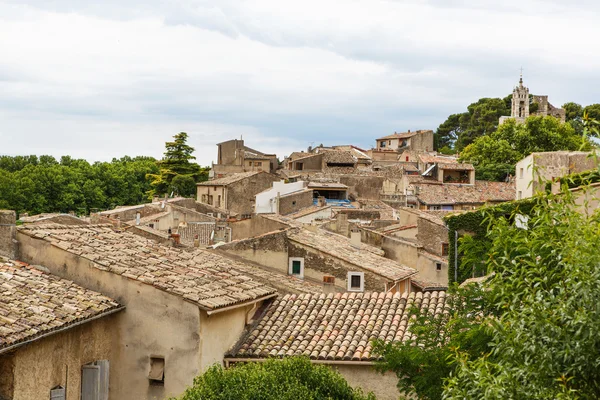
{"x":8,"y":233}
{"x":342,"y":224}
{"x":355,"y":240}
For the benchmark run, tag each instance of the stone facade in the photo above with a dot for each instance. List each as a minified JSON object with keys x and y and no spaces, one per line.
{"x":8,"y":243}
{"x":295,"y":201}
{"x":520,"y":105}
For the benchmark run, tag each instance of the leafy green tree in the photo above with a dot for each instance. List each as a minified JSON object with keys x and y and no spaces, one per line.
{"x":573,"y":111}
{"x":546,"y":287}
{"x":287,"y":379}
{"x":495,"y":155}
{"x":426,"y":359}
{"x":481,"y":118}
{"x":177,"y":162}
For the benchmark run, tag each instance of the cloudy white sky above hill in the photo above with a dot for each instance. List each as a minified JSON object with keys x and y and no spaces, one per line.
{"x":102,"y":79}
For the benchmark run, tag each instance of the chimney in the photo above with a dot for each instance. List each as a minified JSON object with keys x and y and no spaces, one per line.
{"x":328,"y":284}
{"x":137,"y":218}
{"x":355,"y":240}
{"x":409,"y":131}
{"x":321,"y":202}
{"x":196,"y":241}
{"x":8,"y":232}
{"x":342,"y":224}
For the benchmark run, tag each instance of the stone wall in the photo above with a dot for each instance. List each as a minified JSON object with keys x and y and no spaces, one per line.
{"x":270,"y":250}
{"x":364,"y":187}
{"x":202,"y":208}
{"x":295,"y":202}
{"x":423,"y":141}
{"x":365,"y":377}
{"x":240,"y":194}
{"x":8,"y":244}
{"x":257,"y":225}
{"x":431,"y":236}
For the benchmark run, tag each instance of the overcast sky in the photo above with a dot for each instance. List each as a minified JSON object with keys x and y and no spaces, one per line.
{"x":103,"y":79}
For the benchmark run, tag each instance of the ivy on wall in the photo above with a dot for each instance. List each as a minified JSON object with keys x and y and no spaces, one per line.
{"x":476,"y":224}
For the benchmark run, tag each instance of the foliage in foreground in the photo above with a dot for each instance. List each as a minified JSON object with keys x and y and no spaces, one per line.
{"x":287,"y":379}
{"x":533,"y":331}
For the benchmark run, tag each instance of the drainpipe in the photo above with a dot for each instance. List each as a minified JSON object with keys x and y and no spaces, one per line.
{"x":455,"y":256}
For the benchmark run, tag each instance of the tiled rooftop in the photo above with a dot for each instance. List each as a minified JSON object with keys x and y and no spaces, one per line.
{"x":367,"y":257}
{"x":333,"y":327}
{"x":481,"y":192}
{"x":456,"y":166}
{"x":206,"y":279}
{"x":339,"y":157}
{"x":437,"y":159}
{"x":395,"y":135}
{"x":229,"y":179}
{"x":34,"y":303}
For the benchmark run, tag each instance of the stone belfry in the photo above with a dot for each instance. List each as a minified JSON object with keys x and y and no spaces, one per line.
{"x":520,"y":100}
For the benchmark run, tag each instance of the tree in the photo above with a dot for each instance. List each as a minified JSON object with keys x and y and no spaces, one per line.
{"x":287,"y":379}
{"x":546,"y":286}
{"x":495,"y":155}
{"x":481,"y":118}
{"x":177,"y":162}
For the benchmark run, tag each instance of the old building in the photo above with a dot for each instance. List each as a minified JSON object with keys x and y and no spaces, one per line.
{"x":420,"y":141}
{"x":537,"y":169}
{"x":521,"y":103}
{"x":58,"y":340}
{"x":284,"y":198}
{"x":446,"y":169}
{"x":435,"y":196}
{"x":325,"y":160}
{"x":184,"y":309}
{"x":235,"y":192}
{"x":336,"y":330}
{"x":234,"y":157}
{"x":315,"y":255}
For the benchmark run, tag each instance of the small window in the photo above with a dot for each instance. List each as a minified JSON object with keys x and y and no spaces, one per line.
{"x":356,"y":281}
{"x":438,"y":266}
{"x":296,"y":267}
{"x":258,"y":163}
{"x":157,"y":371}
{"x":445,"y":249}
{"x":151,"y":225}
{"x":214,"y":188}
{"x":521,"y":173}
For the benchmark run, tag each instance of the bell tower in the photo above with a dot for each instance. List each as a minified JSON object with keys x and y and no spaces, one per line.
{"x":520,"y":100}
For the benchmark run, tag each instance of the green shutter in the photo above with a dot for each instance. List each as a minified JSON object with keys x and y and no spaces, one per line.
{"x":296,"y":266}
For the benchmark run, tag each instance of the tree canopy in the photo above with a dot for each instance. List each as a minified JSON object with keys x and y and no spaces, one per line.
{"x":43,"y":184}
{"x":496,"y":154}
{"x":287,"y":379}
{"x":177,"y":173}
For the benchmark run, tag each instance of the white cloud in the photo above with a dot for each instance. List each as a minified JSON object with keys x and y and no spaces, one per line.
{"x":283,"y":73}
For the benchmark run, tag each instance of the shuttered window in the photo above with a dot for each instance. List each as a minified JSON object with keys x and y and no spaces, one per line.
{"x":94,"y":380}
{"x":58,"y":393}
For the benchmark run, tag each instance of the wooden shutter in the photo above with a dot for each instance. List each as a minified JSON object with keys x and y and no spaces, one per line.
{"x":103,"y":384}
{"x":90,"y":382}
{"x":58,"y":393}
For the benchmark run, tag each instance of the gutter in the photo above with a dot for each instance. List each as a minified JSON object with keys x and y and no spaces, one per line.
{"x":59,"y":330}
{"x":238,"y":305}
{"x":329,"y":362}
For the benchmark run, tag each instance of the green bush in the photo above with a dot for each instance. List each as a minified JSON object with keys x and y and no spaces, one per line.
{"x":287,"y":379}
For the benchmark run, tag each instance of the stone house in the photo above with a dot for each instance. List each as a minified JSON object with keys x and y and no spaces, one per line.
{"x":284,"y":198}
{"x":234,"y":157}
{"x":326,"y":160}
{"x":336,"y":330}
{"x":184,"y":308}
{"x":548,"y":167}
{"x":446,"y":169}
{"x":57,"y":339}
{"x":436,"y":196}
{"x":320,"y":256}
{"x":235,"y":192}
{"x":420,"y":140}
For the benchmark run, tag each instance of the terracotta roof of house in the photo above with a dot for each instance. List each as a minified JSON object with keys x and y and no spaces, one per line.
{"x":456,"y":166}
{"x":437,"y":159}
{"x":34,"y":304}
{"x":333,"y":327}
{"x":428,"y":286}
{"x":307,"y":211}
{"x":367,"y":257}
{"x":200,"y":277}
{"x":339,"y":157}
{"x":229,"y":179}
{"x":327,"y":185}
{"x":481,"y":192}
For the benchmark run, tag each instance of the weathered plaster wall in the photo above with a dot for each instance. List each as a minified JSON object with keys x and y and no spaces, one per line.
{"x":8,"y":244}
{"x":155,"y":323}
{"x":270,"y":250}
{"x":364,"y":187}
{"x":365,"y":377}
{"x":7,"y":382}
{"x":431,"y":236}
{"x":295,"y":202}
{"x":240,"y":194}
{"x":254,"y":226}
{"x":318,"y":263}
{"x":212,"y":195}
{"x":63,"y":355}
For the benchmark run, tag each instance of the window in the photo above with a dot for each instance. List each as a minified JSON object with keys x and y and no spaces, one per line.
{"x":214,"y":188}
{"x":435,"y":208}
{"x":296,"y":267}
{"x":519,"y":195}
{"x":210,"y":199}
{"x":445,"y":249}
{"x":94,"y":381}
{"x":157,"y":371}
{"x":521,"y":173}
{"x":438,"y":266}
{"x":58,"y":393}
{"x":219,"y":201}
{"x":204,"y":198}
{"x":258,"y":163}
{"x":406,"y":158}
{"x":382,"y":144}
{"x":151,"y":225}
{"x":356,"y":281}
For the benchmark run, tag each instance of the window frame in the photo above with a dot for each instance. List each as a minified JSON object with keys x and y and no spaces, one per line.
{"x":291,"y":267}
{"x":349,"y":286}
{"x":446,"y":247}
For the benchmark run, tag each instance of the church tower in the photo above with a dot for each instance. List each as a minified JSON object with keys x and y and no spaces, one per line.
{"x":520,"y":101}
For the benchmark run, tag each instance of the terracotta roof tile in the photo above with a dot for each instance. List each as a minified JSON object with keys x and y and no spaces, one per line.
{"x":333,"y":327}
{"x":206,"y":279}
{"x":229,"y":179}
{"x":339,"y":157}
{"x":481,"y":192}
{"x":34,"y":303}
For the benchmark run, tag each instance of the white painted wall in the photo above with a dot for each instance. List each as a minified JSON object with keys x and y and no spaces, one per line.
{"x":266,"y":202}
{"x":524,"y":178}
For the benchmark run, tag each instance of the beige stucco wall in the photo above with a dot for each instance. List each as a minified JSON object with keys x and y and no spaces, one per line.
{"x":155,"y":323}
{"x":215,"y":192}
{"x":365,"y":377}
{"x":57,"y":359}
